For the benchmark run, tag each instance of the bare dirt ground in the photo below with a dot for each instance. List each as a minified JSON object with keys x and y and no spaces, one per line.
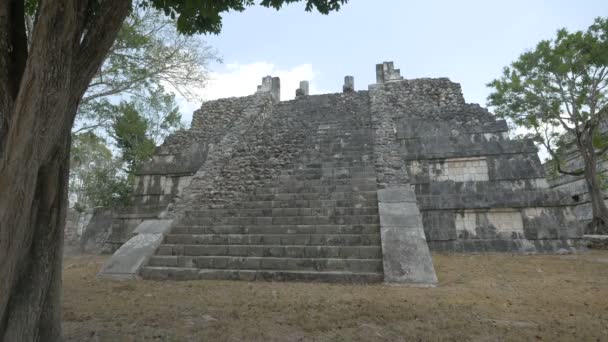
{"x":496,"y":297}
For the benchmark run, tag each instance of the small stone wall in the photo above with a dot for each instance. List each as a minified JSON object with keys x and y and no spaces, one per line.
{"x":87,"y":232}
{"x":576,"y":186}
{"x":76,"y":223}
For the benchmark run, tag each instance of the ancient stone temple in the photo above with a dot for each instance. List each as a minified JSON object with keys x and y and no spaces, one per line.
{"x":356,"y":186}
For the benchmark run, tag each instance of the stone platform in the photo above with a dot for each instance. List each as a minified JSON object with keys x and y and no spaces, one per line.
{"x":357,"y":186}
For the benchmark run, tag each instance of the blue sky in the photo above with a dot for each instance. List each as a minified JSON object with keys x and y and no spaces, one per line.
{"x":468,"y":41}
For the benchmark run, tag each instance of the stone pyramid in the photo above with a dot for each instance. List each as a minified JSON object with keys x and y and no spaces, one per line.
{"x":355,"y":186}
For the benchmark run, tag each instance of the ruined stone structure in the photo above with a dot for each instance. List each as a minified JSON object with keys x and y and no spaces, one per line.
{"x":577,"y":186}
{"x":87,"y":231}
{"x":352,"y":186}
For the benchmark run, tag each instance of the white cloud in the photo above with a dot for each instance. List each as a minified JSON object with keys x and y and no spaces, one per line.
{"x":242,"y":79}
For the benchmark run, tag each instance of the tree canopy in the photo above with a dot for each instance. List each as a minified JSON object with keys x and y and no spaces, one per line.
{"x":561,"y":86}
{"x":148,"y":56}
{"x":147,"y":63}
{"x":204,"y":16}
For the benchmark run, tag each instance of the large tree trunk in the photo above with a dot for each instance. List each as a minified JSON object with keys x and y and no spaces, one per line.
{"x":599,"y":223}
{"x":33,"y":312}
{"x":39,"y":94}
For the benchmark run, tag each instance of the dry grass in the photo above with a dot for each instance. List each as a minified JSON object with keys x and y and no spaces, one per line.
{"x":495,"y":297}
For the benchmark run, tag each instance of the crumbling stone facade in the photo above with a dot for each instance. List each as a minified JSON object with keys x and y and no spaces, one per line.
{"x":477,"y":189}
{"x":576,"y":186}
{"x":352,"y":186}
{"x":87,"y":231}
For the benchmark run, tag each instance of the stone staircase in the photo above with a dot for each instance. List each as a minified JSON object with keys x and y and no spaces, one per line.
{"x":316,"y":221}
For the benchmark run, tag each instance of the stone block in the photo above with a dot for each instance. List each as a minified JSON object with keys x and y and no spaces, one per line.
{"x":153,"y":227}
{"x":406,"y":257}
{"x":303,"y":89}
{"x":349,"y":84}
{"x":404,"y":215}
{"x":126,"y":262}
{"x":439,"y":225}
{"x":397,"y":195}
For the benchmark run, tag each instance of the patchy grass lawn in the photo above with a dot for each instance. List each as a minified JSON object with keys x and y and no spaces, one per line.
{"x":495,"y":297}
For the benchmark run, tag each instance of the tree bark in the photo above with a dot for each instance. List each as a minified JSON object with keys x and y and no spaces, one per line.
{"x":68,"y":44}
{"x":34,"y":307}
{"x":599,"y":223}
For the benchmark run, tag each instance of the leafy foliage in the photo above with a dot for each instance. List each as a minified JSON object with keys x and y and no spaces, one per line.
{"x":204,"y":16}
{"x":130,"y":132}
{"x":148,"y":57}
{"x":559,"y":92}
{"x":97,"y":178}
{"x":560,"y":86}
{"x":93,"y":177}
{"x":161,"y":114}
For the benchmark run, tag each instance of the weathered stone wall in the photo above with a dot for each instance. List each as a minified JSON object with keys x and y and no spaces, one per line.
{"x":161,"y":180}
{"x":183,"y":153}
{"x":220,"y":152}
{"x":576,"y":186}
{"x":76,"y":222}
{"x":476,"y":189}
{"x":95,"y":235}
{"x":87,"y":232}
{"x":272,"y":140}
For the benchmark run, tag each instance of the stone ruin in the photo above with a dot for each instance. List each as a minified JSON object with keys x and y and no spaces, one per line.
{"x":576,"y":186}
{"x":357,"y":186}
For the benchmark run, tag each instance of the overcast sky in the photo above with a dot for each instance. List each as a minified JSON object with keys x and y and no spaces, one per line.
{"x":468,"y":41}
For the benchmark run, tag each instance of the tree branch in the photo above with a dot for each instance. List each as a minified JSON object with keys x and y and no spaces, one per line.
{"x":99,"y":34}
{"x":546,"y":141}
{"x":13,"y":57}
{"x":90,"y":127}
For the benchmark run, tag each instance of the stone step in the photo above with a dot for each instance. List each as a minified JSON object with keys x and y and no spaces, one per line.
{"x":275,"y":239}
{"x":312,"y":196}
{"x":331,"y":152}
{"x":294,"y":251}
{"x":318,"y":186}
{"x":350,"y":144}
{"x":278,"y":229}
{"x":345,"y":144}
{"x":342,"y":137}
{"x":268,"y":263}
{"x":319,"y":152}
{"x":354,"y":203}
{"x":277,"y":212}
{"x":279,"y":220}
{"x":316,"y":189}
{"x":353,"y":160}
{"x":350,"y":167}
{"x":320,"y":179}
{"x":324,"y":176}
{"x":358,"y":203}
{"x":179,"y":273}
{"x":344,"y":130}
